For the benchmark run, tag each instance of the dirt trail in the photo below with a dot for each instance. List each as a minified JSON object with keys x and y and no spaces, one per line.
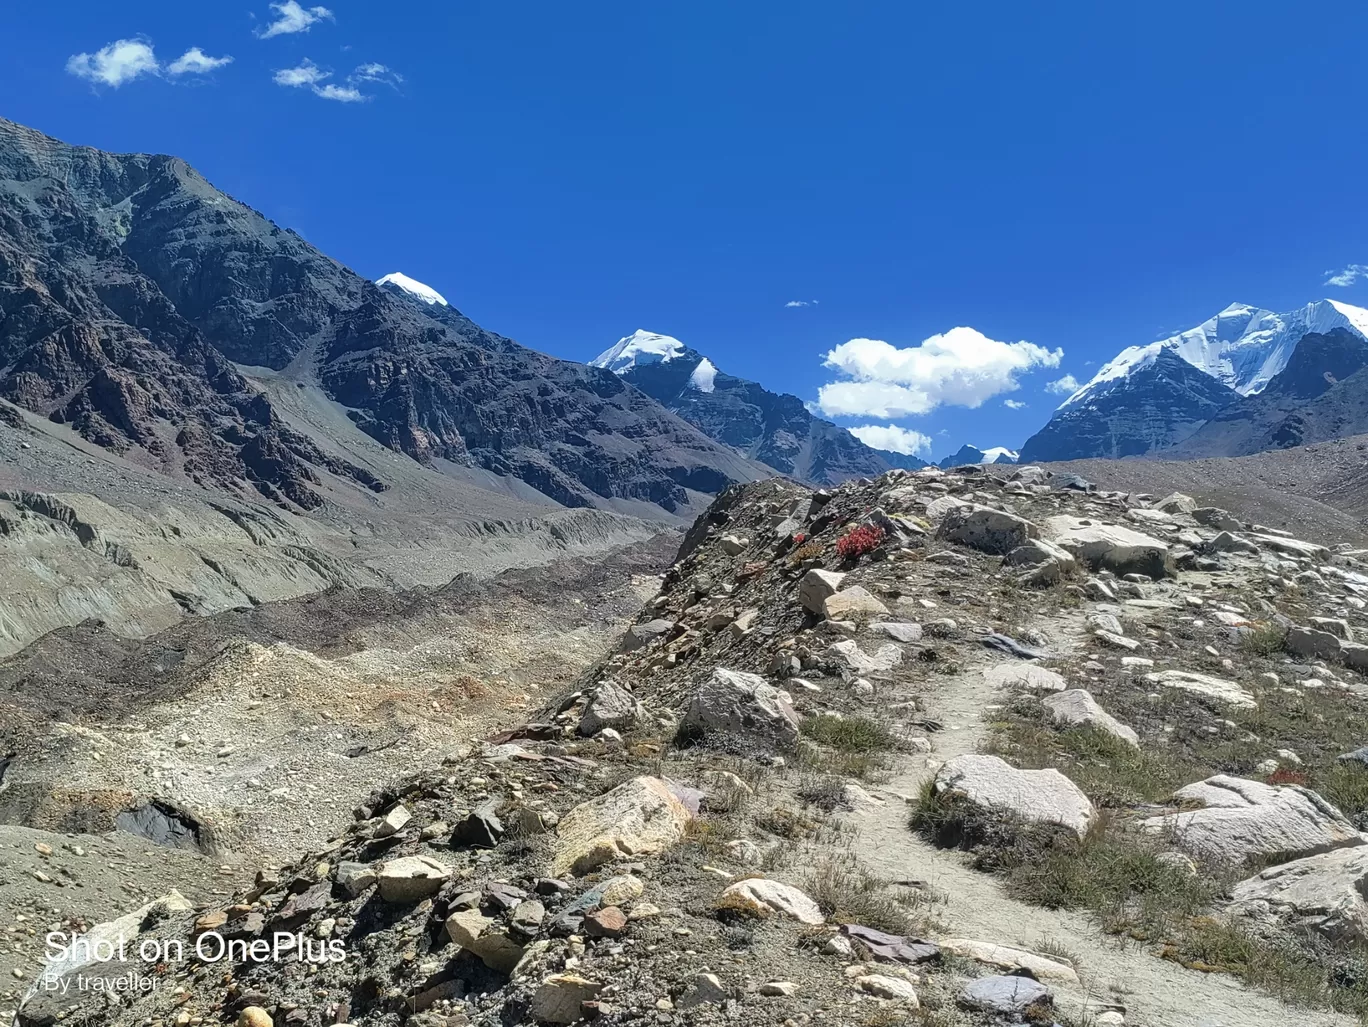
{"x":1154,"y":992}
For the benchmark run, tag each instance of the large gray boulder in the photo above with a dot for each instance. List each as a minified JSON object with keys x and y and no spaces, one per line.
{"x":639,"y":635}
{"x":1313,"y":643}
{"x":1324,"y":892}
{"x":1242,"y":820}
{"x":1037,"y":797}
{"x":1110,"y":546}
{"x":817,"y":585}
{"x":610,"y":706}
{"x":986,"y":529}
{"x":1076,"y":707}
{"x":735,"y":702}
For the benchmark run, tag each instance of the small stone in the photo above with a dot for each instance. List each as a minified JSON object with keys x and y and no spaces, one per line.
{"x":609,"y":922}
{"x":704,"y":989}
{"x":255,"y":1016}
{"x":393,"y":822}
{"x":883,"y":986}
{"x":778,"y":989}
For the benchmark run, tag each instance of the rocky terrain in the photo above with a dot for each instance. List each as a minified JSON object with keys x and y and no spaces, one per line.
{"x":955,"y":748}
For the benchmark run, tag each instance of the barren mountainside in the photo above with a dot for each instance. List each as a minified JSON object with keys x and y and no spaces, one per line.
{"x":151,"y":312}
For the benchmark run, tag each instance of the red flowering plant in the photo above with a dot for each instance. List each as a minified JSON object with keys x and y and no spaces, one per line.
{"x":862,"y":540}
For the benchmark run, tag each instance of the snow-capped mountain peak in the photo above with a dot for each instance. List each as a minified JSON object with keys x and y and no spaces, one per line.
{"x":641,"y":347}
{"x":1243,"y":347}
{"x":413,"y":287}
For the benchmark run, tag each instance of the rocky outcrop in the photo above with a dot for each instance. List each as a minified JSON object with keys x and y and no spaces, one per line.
{"x":1241,"y":820}
{"x":1110,"y":546}
{"x":1323,"y":893}
{"x":1076,"y":707}
{"x":1032,"y":797}
{"x":639,"y":817}
{"x":738,"y":703}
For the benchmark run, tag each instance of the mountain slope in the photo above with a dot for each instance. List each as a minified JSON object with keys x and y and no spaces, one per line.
{"x":775,"y":428}
{"x":1318,"y":395}
{"x":1160,"y":404}
{"x":128,"y":284}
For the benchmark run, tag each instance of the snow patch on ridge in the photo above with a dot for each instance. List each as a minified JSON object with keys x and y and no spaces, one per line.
{"x":703,"y":376}
{"x":414,"y":288}
{"x":641,"y":347}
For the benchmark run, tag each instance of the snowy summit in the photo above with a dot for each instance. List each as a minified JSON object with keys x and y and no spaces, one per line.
{"x":1242,"y":346}
{"x":641,"y":347}
{"x":413,"y":287}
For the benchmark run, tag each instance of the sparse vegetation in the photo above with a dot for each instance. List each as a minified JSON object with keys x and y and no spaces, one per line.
{"x":859,"y":541}
{"x":852,"y":896}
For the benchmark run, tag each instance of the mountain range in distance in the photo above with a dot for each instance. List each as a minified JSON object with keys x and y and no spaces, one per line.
{"x":179,"y":330}
{"x":1245,"y":381}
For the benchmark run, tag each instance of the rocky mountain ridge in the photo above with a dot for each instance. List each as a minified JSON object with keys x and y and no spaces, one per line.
{"x":155,"y":315}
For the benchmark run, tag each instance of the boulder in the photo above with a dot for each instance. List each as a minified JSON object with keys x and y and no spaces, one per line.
{"x":899,"y":630}
{"x":611,"y":706}
{"x":852,"y":661}
{"x":411,"y":878}
{"x":1226,"y":692}
{"x":1039,"y":551}
{"x":938,"y":508}
{"x":986,"y":529}
{"x":1337,"y":626}
{"x":816,"y":586}
{"x":893,"y":988}
{"x":1214,"y":517}
{"x":1240,"y":820}
{"x":705,"y":989}
{"x":1076,"y":707}
{"x":1325,"y":893}
{"x":762,"y":897}
{"x":1011,"y":959}
{"x":1226,"y":542}
{"x":560,"y":997}
{"x":639,"y":817}
{"x":736,"y":702}
{"x":481,"y":936}
{"x":639,"y":635}
{"x":1176,"y":502}
{"x":1293,"y":547}
{"x":854,"y":603}
{"x":1005,"y":995}
{"x":1110,"y":547}
{"x":1313,"y":644}
{"x":1044,"y":797}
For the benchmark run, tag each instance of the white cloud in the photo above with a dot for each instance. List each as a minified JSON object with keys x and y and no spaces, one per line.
{"x":196,"y":62}
{"x":290,"y":18}
{"x":121,"y":61}
{"x":802,"y":303}
{"x":892,"y":438}
{"x":1347,"y":276}
{"x":1014,"y":404}
{"x":1065,"y":386}
{"x":306,"y":74}
{"x":376,"y":73}
{"x":346,"y":94}
{"x":309,"y":74}
{"x":962,"y":367}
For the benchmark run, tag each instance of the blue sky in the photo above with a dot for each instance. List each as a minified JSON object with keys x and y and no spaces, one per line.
{"x":1080,"y":177}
